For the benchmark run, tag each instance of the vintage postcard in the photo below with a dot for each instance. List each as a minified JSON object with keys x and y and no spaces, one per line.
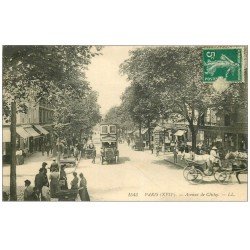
{"x":124,"y":123}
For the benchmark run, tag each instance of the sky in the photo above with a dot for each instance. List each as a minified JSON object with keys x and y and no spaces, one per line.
{"x":103,"y":75}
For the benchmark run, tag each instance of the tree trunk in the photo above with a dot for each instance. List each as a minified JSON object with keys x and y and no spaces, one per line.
{"x":58,"y":152}
{"x":149,"y":135}
{"x":140,"y":130}
{"x":194,"y":133}
{"x":13,"y":191}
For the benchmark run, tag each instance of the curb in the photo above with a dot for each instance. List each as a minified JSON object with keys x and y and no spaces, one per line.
{"x":174,"y":163}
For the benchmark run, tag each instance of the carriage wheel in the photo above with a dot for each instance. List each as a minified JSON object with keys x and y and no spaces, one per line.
{"x":224,"y":177}
{"x":185,"y":171}
{"x":194,"y":176}
{"x":216,"y":175}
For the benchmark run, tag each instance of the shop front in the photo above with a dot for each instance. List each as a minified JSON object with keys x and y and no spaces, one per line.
{"x":34,"y":139}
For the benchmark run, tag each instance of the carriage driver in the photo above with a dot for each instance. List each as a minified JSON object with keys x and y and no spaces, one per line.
{"x":214,"y":157}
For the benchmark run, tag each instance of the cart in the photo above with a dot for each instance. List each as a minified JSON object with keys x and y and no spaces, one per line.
{"x":194,"y":172}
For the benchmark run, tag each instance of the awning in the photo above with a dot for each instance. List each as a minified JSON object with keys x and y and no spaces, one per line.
{"x":6,"y":134}
{"x":31,"y":132}
{"x":22,"y":132}
{"x":41,"y":129}
{"x":180,"y":133}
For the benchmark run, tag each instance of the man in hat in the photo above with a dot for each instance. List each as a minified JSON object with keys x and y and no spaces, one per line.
{"x":46,"y":181}
{"x":54,"y":165}
{"x":214,"y":157}
{"x":40,"y":181}
{"x":28,"y":191}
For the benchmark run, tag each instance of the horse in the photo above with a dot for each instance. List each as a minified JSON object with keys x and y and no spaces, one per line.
{"x":194,"y":157}
{"x":199,"y":159}
{"x":239,"y":163}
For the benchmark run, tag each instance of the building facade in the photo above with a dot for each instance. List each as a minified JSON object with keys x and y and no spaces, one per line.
{"x":32,"y":131}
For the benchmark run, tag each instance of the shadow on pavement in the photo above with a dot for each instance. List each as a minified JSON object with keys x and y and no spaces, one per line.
{"x":123,"y":159}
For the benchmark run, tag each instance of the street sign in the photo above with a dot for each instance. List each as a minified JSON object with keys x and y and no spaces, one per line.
{"x":223,"y":62}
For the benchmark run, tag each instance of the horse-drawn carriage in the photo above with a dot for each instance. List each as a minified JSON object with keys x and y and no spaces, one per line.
{"x":234,"y":163}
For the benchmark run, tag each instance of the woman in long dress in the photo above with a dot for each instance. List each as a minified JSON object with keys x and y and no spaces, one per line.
{"x":83,"y":191}
{"x":63,"y":179}
{"x":54,"y":182}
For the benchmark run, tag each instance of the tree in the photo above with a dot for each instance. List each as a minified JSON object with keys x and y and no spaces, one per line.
{"x":118,"y":115}
{"x":143,"y":105}
{"x":175,"y":73}
{"x":41,"y":73}
{"x":77,"y":115}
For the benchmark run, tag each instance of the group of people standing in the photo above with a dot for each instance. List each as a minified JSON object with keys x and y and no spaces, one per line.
{"x":48,"y":185}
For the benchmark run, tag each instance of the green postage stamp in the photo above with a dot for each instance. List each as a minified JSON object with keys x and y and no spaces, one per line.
{"x":222,"y":62}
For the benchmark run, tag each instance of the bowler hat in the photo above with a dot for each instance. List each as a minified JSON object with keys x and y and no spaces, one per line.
{"x":27,"y":182}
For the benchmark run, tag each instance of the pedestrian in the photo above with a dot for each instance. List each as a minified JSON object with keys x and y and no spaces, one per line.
{"x":48,"y":148}
{"x":39,"y":182}
{"x":54,"y":165}
{"x":54,"y":182}
{"x":76,"y":153}
{"x":128,"y":141}
{"x":19,"y":157}
{"x":42,"y":148}
{"x":74,"y":182}
{"x":175,"y":151}
{"x":186,"y":149}
{"x":93,"y":155}
{"x":152,"y":148}
{"x":44,"y":164}
{"x":83,"y":191}
{"x":5,"y":196}
{"x":45,"y":193}
{"x":157,"y":150}
{"x":28,"y":191}
{"x":63,"y":179}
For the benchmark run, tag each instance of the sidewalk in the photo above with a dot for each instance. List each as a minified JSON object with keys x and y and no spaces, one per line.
{"x":169,"y":157}
{"x":28,"y":170}
{"x":34,"y":158}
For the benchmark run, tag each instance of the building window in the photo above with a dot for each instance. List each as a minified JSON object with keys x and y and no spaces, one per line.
{"x":104,"y":129}
{"x":112,"y":129}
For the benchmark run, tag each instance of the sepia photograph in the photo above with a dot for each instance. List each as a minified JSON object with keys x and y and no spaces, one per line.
{"x":124,"y":123}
